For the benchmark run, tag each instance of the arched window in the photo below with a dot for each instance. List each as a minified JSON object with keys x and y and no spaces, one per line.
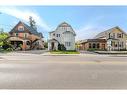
{"x":94,"y":45}
{"x":28,"y":43}
{"x":98,"y":45}
{"x":89,"y":45}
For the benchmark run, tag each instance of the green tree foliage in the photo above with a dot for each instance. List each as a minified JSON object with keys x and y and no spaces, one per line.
{"x":4,"y":44}
{"x":3,"y":37}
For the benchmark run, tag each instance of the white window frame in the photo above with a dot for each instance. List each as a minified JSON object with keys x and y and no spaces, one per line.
{"x":20,"y":28}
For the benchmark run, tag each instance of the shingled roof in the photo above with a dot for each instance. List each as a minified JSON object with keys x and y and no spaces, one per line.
{"x":103,"y":34}
{"x":31,"y":29}
{"x":64,"y":24}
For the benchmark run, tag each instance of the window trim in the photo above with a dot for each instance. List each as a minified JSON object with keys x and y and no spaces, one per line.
{"x":20,"y":28}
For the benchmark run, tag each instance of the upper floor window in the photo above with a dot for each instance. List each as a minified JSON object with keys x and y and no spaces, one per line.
{"x":20,"y":28}
{"x":119,"y":35}
{"x":53,"y":34}
{"x":58,"y":35}
{"x":109,"y":35}
{"x":113,"y":35}
{"x":16,"y":34}
{"x":25,"y":35}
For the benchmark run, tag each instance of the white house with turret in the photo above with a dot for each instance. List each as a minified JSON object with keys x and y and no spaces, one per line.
{"x":65,"y":35}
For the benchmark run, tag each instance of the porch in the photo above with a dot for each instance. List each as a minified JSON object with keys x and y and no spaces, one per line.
{"x":19,"y":43}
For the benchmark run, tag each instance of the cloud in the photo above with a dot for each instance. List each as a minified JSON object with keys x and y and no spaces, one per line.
{"x":86,"y":32}
{"x":91,"y":28}
{"x":23,"y":14}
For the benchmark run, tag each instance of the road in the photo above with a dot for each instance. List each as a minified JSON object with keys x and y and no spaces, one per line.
{"x":85,"y":71}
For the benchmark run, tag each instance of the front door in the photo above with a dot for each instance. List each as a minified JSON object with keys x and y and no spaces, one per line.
{"x":52,"y":45}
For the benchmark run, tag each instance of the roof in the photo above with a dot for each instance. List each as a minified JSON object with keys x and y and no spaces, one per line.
{"x":18,"y":37}
{"x":64,"y":24}
{"x":31,"y":29}
{"x":53,"y":39}
{"x":93,"y":40}
{"x":103,"y":34}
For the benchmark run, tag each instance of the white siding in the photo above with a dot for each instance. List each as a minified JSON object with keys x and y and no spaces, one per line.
{"x":66,"y":35}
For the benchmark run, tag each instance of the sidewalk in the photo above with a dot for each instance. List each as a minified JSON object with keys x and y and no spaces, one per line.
{"x":111,"y":52}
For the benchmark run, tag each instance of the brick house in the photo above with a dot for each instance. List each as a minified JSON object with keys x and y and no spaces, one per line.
{"x":111,"y":39}
{"x":26,"y":37}
{"x":97,"y":44}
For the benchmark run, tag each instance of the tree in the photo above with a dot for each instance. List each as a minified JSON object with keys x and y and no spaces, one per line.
{"x":3,"y":37}
{"x":3,"y":42}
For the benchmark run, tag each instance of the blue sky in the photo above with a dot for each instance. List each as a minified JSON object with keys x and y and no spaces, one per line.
{"x":87,"y":21}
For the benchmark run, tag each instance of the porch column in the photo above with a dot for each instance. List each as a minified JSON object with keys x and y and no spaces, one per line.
{"x":24,"y":45}
{"x":49,"y":45}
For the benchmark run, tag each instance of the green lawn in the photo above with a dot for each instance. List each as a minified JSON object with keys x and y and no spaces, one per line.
{"x":64,"y":52}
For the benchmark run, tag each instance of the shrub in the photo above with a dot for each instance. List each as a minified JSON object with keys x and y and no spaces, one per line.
{"x":61,"y":47}
{"x":6,"y":46}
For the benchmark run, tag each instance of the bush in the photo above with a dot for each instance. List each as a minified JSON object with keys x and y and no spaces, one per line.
{"x":61,"y":47}
{"x":7,"y":46}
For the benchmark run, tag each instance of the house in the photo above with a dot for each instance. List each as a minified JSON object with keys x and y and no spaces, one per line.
{"x":92,"y":44}
{"x":63,"y":35}
{"x":26,"y":37}
{"x":111,"y":39}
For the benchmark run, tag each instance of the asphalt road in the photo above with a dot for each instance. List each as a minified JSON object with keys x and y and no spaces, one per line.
{"x":86,"y":71}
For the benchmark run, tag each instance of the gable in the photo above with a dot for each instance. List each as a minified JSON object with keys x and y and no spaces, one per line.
{"x":112,"y":30}
{"x":19,"y":25}
{"x":118,"y":30}
{"x":27,"y":29}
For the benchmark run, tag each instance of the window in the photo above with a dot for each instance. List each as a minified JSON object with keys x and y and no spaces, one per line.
{"x":113,"y":35}
{"x":94,"y":45}
{"x":16,"y":34}
{"x":20,"y":28}
{"x":58,"y":35}
{"x":67,"y":43}
{"x":25,"y":35}
{"x":109,"y":36}
{"x":119,"y":35}
{"x":28,"y":43}
{"x":122,"y":44}
{"x":98,"y":46}
{"x":53,"y":34}
{"x":89,"y":45}
{"x":115,"y":45}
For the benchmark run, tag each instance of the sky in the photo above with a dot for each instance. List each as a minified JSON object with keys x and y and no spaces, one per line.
{"x":87,"y":21}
